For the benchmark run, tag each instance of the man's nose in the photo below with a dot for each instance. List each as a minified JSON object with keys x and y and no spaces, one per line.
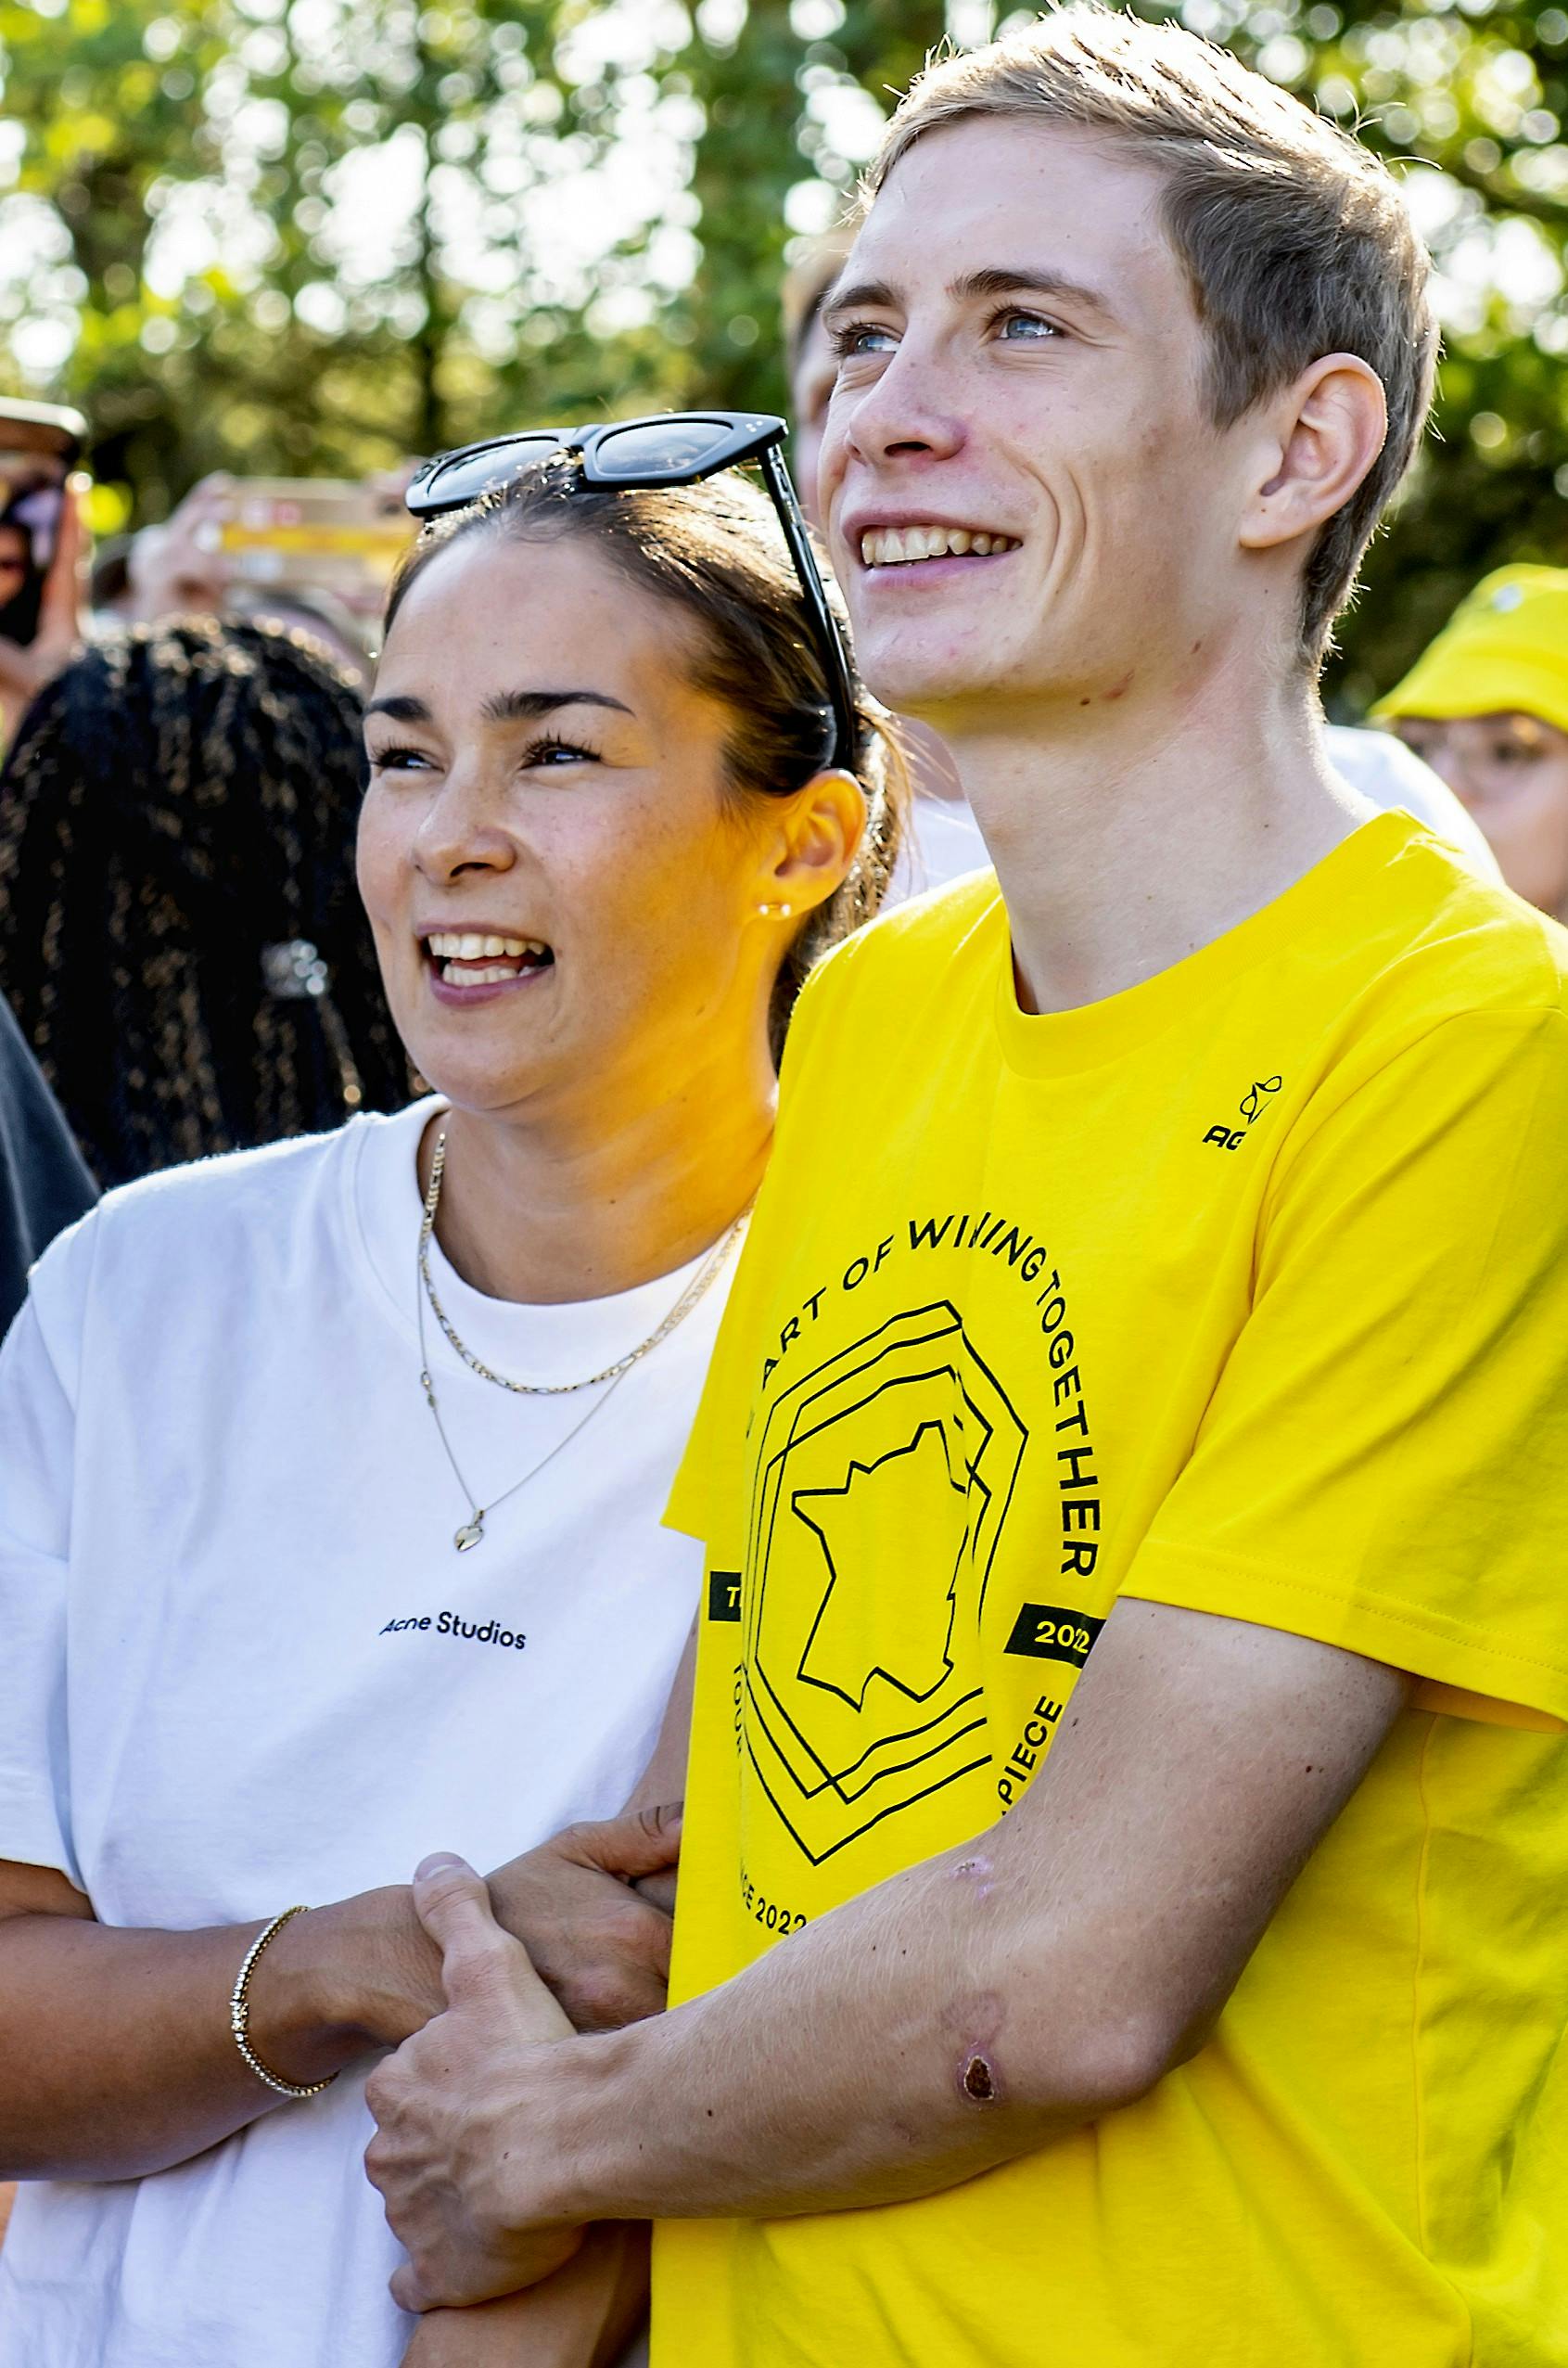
{"x":907,"y":412}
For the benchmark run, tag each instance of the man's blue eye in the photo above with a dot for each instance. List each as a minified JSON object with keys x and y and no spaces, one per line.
{"x":860,"y":336}
{"x":1025,"y":326}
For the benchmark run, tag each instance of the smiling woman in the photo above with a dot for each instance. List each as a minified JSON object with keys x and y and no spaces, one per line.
{"x":280,"y":1432}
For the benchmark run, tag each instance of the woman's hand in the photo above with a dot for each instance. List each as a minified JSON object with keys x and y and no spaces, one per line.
{"x":583,"y":2317}
{"x":593,"y":1934}
{"x":443,"y":2106}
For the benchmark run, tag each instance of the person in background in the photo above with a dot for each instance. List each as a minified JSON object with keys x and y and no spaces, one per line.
{"x":1486,"y":706}
{"x":179,"y":569}
{"x":331,"y":1474}
{"x":944,"y":840}
{"x":27,"y":666}
{"x":45,"y":1184}
{"x":43,"y":1188}
{"x":179,"y":932}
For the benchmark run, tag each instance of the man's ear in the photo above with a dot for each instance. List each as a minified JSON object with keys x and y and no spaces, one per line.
{"x":821,"y":827}
{"x":1326,"y":431}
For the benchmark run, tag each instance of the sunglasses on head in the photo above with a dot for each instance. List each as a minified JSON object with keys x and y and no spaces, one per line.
{"x":671,"y":448}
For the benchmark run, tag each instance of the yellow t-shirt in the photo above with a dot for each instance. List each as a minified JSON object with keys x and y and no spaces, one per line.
{"x":1245,"y":1290}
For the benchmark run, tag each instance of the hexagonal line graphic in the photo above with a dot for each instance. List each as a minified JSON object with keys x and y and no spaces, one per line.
{"x":799,"y":1404}
{"x":827,"y":1380}
{"x":818,"y":1848}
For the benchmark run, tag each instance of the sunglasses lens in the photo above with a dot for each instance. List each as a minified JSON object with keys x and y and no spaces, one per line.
{"x":660,"y":447}
{"x":466,"y":477}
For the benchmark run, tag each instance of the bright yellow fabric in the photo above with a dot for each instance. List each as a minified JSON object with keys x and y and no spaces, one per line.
{"x":1246,"y":1290}
{"x":1503,"y":651}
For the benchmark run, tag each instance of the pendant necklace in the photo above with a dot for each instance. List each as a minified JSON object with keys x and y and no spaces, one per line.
{"x":472,"y":1531}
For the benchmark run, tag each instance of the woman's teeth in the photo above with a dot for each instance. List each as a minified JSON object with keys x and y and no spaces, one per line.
{"x":470,"y":958}
{"x":897,"y":546}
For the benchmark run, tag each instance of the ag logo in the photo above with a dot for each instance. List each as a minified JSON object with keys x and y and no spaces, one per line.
{"x":1251,"y":1106}
{"x":883,"y":1481}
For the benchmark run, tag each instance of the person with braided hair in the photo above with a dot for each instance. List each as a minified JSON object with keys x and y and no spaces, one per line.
{"x":179,"y":932}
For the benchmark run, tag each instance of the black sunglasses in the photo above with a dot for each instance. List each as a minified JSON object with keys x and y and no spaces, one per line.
{"x":671,"y":448}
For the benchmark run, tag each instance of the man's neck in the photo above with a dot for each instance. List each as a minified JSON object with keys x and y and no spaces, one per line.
{"x":579,"y":1203}
{"x":1127,"y":839}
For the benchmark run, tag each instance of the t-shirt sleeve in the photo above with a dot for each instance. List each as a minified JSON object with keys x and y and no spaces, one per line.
{"x":1384,"y":1465}
{"x":37,"y":1450}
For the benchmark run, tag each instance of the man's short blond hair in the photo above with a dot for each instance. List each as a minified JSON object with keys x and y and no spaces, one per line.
{"x":1295,"y":239}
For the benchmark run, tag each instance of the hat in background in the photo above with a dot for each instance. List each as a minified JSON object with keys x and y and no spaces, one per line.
{"x":1503,"y":651}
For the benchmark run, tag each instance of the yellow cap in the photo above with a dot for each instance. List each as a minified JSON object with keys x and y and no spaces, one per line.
{"x":1503,"y":651}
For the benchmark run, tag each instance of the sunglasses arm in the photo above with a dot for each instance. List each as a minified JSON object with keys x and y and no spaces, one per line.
{"x":830,"y":640}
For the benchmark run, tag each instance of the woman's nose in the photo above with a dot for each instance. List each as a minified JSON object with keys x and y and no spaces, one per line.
{"x":463,"y":830}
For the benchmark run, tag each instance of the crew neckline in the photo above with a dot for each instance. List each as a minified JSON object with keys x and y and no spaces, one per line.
{"x":1095,"y":1034}
{"x":544,"y":1343}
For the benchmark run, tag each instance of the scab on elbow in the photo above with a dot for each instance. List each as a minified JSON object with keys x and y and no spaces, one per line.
{"x":979,"y":2078}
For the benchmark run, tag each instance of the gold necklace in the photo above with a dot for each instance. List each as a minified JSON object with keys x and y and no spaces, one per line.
{"x":683,"y":1306}
{"x":473,"y":1530}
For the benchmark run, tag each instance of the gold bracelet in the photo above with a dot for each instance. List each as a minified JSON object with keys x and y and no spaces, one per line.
{"x":240,"y":2014}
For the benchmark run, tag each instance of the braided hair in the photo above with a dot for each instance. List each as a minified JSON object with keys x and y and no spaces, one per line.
{"x":180,"y":932}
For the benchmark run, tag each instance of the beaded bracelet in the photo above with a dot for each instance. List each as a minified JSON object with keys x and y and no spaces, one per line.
{"x":240,"y":2014}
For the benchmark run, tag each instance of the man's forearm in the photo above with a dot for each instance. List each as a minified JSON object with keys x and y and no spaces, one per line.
{"x":887,"y":2051}
{"x":960,"y":2014}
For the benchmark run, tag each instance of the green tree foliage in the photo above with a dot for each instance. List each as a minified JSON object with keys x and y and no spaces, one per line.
{"x":314,"y":234}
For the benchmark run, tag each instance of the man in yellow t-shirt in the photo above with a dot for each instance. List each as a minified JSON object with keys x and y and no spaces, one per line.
{"x":1124,"y":1911}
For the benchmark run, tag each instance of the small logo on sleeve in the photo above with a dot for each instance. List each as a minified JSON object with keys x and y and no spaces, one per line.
{"x":1251,"y":1106}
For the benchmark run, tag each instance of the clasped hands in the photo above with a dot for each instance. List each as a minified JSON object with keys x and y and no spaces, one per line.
{"x":463,"y":2110}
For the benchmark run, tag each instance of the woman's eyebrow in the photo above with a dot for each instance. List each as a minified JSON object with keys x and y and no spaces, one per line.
{"x":526,"y":707}
{"x":501,"y":707}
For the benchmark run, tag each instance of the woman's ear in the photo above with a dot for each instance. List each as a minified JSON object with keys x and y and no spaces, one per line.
{"x":808,"y":855}
{"x":1326,"y":431}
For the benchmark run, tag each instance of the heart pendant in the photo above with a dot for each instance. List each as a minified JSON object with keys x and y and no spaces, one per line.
{"x":469,"y":1535}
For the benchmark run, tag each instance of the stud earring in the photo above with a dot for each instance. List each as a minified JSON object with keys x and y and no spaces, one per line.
{"x":784,"y":911}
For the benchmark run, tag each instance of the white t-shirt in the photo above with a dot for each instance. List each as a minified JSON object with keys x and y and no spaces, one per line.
{"x":243,"y":1665}
{"x":1393,"y":776}
{"x":942,"y":842}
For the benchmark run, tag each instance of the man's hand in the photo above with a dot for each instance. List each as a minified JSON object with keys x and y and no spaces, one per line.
{"x":600,"y":1946}
{"x":445,"y":2107}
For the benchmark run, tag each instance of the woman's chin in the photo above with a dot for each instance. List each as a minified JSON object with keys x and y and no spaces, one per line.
{"x":468,"y":1081}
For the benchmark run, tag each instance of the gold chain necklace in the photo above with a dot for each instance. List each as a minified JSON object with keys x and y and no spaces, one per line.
{"x":472,"y":1530}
